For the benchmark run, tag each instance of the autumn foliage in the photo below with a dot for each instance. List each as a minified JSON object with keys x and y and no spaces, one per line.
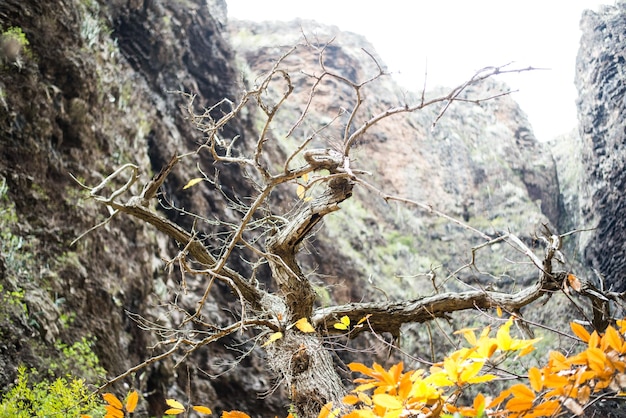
{"x":564,"y":385}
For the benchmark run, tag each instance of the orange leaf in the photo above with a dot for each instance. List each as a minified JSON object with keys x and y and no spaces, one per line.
{"x":517,"y":405}
{"x":350,"y":400}
{"x":594,"y":339}
{"x":596,"y":359}
{"x":574,"y":282}
{"x":552,"y":380}
{"x":522,"y":392}
{"x":580,"y":331}
{"x":112,"y":400}
{"x":202,"y":409}
{"x":534,"y":377}
{"x":613,"y":339}
{"x":361,"y":368}
{"x":131,"y":402}
{"x":234,"y":414}
{"x":328,"y":412}
{"x":547,"y":409}
{"x":113,"y":412}
{"x":479,"y":402}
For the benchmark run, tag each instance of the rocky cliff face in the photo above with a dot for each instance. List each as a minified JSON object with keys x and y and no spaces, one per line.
{"x":600,"y":79}
{"x":93,"y":90}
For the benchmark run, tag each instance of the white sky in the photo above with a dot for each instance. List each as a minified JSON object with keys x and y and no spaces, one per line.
{"x":454,"y":38}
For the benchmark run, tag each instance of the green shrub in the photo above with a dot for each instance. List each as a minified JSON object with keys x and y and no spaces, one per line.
{"x":64,"y":397}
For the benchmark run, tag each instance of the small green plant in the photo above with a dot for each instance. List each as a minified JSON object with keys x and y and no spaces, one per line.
{"x":14,"y":298}
{"x":14,"y":47}
{"x":79,"y":359}
{"x":64,"y":397}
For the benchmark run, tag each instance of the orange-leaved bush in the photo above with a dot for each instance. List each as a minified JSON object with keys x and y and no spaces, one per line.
{"x":565,"y":383}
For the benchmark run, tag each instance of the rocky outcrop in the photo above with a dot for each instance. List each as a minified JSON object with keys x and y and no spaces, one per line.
{"x":600,"y":70}
{"x":90,"y":88}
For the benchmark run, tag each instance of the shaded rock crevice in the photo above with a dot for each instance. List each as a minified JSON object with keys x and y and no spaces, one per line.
{"x":600,"y":78}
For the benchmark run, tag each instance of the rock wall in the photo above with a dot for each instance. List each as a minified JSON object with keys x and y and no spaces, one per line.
{"x":95,"y":89}
{"x":601,"y":82}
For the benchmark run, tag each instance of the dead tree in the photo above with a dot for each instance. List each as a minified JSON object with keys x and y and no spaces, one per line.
{"x":297,"y":354}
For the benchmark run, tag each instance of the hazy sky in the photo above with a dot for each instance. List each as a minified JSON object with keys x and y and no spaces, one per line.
{"x":454,"y":38}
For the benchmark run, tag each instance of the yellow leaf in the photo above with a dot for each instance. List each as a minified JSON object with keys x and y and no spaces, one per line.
{"x":112,"y":400}
{"x":303,"y":325}
{"x":174,"y":403}
{"x":469,"y":335}
{"x":300,"y":191}
{"x":387,"y":401}
{"x":174,"y":411}
{"x":344,"y":324}
{"x":482,"y":379}
{"x":469,"y":371}
{"x":305,"y":177}
{"x":131,"y":402}
{"x":499,"y":311}
{"x":275,"y":336}
{"x":176,"y":407}
{"x":580,"y":331}
{"x":503,"y":337}
{"x":439,"y":379}
{"x":364,"y":398}
{"x":365,"y":318}
{"x":193,"y":182}
{"x":202,"y":409}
